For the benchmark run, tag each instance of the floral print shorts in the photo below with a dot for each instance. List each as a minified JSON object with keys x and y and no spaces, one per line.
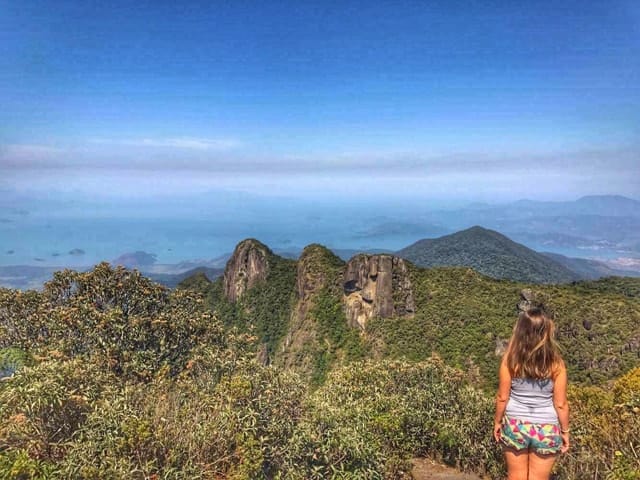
{"x":543,"y":438}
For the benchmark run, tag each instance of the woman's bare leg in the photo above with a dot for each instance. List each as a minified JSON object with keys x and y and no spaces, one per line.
{"x":540,"y":466}
{"x":517,"y":464}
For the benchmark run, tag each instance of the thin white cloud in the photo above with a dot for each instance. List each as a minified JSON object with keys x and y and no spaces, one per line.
{"x":206,"y":157}
{"x":110,"y":153}
{"x":187,"y":143}
{"x":18,"y":153}
{"x":488,"y":186}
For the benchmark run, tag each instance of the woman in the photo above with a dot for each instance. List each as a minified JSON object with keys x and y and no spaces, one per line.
{"x":532,"y":414}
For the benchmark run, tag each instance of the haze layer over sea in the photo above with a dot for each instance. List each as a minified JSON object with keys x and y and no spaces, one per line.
{"x":85,"y":238}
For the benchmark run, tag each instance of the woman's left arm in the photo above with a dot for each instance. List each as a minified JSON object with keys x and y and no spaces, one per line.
{"x":504,"y":389}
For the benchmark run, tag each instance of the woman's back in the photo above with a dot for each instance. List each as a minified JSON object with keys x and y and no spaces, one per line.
{"x":531,"y":400}
{"x":532,"y":415}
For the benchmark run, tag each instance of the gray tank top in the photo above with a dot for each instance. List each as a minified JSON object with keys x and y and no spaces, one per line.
{"x":532,"y":400}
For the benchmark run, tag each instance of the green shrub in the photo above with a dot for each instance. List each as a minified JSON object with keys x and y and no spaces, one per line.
{"x":45,"y":405}
{"x":134,"y":326}
{"x":373,"y":416}
{"x":11,"y":360}
{"x":604,"y":432}
{"x":19,"y":465}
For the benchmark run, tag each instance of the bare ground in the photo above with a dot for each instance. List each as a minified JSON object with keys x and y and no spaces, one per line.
{"x":427,"y":469}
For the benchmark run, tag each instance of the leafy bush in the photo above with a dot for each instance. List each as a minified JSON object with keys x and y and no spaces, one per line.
{"x":43,"y":406}
{"x":173,"y":429}
{"x":370,"y":417}
{"x":604,"y":426}
{"x":134,"y":326}
{"x":12,"y":359}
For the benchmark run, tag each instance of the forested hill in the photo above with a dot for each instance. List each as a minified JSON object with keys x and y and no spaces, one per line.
{"x":320,"y":310}
{"x":490,"y":253}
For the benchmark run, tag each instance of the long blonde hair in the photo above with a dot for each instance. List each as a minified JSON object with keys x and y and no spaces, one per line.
{"x":533,"y":351}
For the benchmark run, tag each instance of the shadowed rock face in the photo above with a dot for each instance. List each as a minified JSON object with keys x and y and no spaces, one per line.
{"x":377,"y":286}
{"x":247,"y":266}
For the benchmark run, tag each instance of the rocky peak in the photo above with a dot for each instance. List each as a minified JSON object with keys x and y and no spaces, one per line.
{"x":247,"y":266}
{"x":534,"y":299}
{"x":377,"y":286}
{"x":313,"y":268}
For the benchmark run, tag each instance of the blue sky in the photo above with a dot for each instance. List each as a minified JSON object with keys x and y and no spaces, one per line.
{"x":449,"y":101}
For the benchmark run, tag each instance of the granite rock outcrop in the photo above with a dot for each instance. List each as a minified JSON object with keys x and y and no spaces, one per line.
{"x":377,"y":286}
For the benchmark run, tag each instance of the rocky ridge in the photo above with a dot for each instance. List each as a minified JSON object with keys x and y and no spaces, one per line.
{"x":318,"y":311}
{"x":366,"y":287}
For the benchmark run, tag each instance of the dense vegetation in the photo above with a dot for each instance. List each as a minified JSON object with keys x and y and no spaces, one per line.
{"x":490,"y":253}
{"x":625,"y":286}
{"x":339,"y":339}
{"x":117,"y":377}
{"x":327,"y":340}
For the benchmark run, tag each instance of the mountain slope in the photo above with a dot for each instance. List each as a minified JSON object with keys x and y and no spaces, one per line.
{"x":172,"y":280}
{"x":490,"y":253}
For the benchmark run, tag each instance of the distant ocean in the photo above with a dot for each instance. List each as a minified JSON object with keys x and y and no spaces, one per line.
{"x":84,"y":242}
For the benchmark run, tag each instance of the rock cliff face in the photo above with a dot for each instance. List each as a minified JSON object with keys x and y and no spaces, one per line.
{"x":527,"y":300}
{"x":247,"y":266}
{"x":377,"y":286}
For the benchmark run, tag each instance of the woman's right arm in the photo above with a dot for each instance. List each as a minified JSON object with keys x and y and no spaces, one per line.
{"x":502,"y":396}
{"x":561,"y":405}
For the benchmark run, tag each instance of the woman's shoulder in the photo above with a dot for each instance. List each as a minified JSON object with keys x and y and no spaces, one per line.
{"x":558,"y":369}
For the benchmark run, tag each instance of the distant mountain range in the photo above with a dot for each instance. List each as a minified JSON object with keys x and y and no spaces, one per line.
{"x":172,"y":280}
{"x":27,"y":277}
{"x":602,"y":205}
{"x":589,"y":269}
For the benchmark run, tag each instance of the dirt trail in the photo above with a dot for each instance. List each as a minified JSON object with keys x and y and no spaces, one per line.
{"x":426,"y":469}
